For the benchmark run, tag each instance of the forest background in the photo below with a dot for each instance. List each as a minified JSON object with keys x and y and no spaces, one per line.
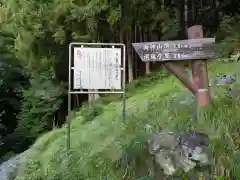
{"x":34,"y":39}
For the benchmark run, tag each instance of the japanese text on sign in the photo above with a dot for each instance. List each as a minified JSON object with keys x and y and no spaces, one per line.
{"x":159,"y":56}
{"x":157,"y":47}
{"x":176,"y":50}
{"x":97,"y":68}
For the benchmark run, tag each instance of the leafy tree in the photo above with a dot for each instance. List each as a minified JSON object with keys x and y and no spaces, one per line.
{"x":39,"y":32}
{"x":39,"y":105}
{"x":12,"y":81}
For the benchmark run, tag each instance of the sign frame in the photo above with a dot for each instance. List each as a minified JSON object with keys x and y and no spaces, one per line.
{"x":107,"y":45}
{"x":95,"y":91}
{"x":98,"y":68}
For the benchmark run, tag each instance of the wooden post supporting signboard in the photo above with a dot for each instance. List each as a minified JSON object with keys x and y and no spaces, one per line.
{"x":199,"y":71}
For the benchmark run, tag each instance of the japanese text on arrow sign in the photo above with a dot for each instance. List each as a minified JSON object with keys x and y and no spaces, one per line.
{"x":176,"y":50}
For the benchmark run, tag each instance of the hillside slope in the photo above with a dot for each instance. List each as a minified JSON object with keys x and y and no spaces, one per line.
{"x":105,"y":146}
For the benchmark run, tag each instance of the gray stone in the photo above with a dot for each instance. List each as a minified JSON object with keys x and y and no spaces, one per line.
{"x":172,"y":151}
{"x":225,"y":80}
{"x":10,"y":165}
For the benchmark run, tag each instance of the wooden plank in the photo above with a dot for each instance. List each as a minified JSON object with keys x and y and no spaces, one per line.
{"x":176,"y":50}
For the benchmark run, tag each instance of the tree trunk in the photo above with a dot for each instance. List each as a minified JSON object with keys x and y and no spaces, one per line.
{"x":134,"y":53}
{"x":134,"y":37}
{"x":77,"y":100}
{"x":178,"y":16}
{"x":96,"y":96}
{"x":139,"y":69}
{"x":90,"y":96}
{"x":147,"y":64}
{"x":129,"y":59}
{"x":53,"y":123}
{"x":186,"y":15}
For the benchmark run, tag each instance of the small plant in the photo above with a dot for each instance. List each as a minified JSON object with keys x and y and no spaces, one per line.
{"x":90,"y":111}
{"x":145,"y":178}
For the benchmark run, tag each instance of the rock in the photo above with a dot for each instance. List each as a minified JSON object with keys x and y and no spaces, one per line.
{"x":225,"y":80}
{"x":172,"y":151}
{"x":166,"y":161}
{"x":234,"y":92}
{"x":194,"y":146}
{"x":9,"y":166}
{"x":165,"y":140}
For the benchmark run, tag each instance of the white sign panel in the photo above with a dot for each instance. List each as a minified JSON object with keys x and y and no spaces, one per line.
{"x":97,"y":68}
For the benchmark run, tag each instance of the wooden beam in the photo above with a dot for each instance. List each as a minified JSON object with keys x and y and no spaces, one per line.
{"x":199,"y":71}
{"x":180,"y":73}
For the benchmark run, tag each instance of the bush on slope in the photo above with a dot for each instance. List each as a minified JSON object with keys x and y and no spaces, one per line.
{"x":104,"y":146}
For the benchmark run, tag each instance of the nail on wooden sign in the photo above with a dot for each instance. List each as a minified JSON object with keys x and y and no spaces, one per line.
{"x":176,"y":50}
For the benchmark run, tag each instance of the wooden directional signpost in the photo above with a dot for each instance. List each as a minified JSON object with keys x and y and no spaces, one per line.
{"x":196,"y":50}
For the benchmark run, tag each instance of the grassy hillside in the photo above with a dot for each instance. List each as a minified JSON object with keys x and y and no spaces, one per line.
{"x":105,"y":146}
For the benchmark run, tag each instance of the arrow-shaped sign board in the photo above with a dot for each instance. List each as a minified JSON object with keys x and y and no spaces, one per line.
{"x":176,"y":50}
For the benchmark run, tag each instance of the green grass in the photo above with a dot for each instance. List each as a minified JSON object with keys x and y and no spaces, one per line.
{"x":105,"y":146}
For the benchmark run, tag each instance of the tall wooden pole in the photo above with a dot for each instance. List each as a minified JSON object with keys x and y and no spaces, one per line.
{"x":179,"y":71}
{"x":199,"y":67}
{"x":199,"y":72}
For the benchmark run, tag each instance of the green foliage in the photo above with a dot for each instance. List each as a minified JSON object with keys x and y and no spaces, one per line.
{"x":228,"y":35}
{"x":12,"y":81}
{"x":90,"y":111}
{"x":7,"y":156}
{"x":39,"y":105}
{"x":170,"y":25}
{"x":136,"y":84}
{"x":40,"y":32}
{"x":37,"y":34}
{"x":99,"y":148}
{"x":145,"y":178}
